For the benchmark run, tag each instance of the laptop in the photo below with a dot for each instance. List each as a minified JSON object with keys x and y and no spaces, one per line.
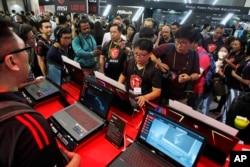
{"x":74,"y":70}
{"x":122,"y":100}
{"x":48,"y":87}
{"x":161,"y":141}
{"x":76,"y":122}
{"x":221,"y":137}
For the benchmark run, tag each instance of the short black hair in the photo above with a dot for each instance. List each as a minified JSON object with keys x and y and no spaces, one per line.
{"x":176,"y":24}
{"x":40,"y":24}
{"x":22,"y":30}
{"x":144,"y":44}
{"x":62,"y":19}
{"x":187,"y":32}
{"x":146,"y":32}
{"x":59,"y":31}
{"x":221,"y":26}
{"x":206,"y":25}
{"x":119,"y":27}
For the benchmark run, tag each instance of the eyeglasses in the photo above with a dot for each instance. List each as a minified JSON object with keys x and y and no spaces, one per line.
{"x":66,"y":38}
{"x":27,"y":49}
{"x":140,"y":55}
{"x":182,"y":43}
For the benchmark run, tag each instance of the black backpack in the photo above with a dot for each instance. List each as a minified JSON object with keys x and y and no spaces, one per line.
{"x":10,"y":109}
{"x":240,"y":107}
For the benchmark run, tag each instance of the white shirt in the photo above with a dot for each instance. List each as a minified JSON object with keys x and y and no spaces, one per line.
{"x":107,"y":37}
{"x":53,"y":24}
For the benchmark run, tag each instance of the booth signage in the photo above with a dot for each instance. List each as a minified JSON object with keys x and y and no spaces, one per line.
{"x":71,"y":6}
{"x":93,"y":6}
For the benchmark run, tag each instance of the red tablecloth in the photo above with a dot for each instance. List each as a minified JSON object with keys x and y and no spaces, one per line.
{"x":97,"y":151}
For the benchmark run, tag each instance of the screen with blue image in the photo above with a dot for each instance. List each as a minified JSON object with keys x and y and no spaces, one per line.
{"x":171,"y":138}
{"x":96,"y":97}
{"x":54,"y":73}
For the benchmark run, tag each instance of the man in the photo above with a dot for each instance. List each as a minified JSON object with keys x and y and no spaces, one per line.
{"x":103,"y":21}
{"x":85,"y":48}
{"x":114,"y":53}
{"x":164,"y":36}
{"x":175,"y":26}
{"x":148,"y":22}
{"x":25,"y":139}
{"x":212,"y":43}
{"x":107,"y":37}
{"x":43,"y":44}
{"x":142,"y":77}
{"x":205,"y":30}
{"x":61,"y":45}
{"x":47,"y":16}
{"x":196,"y":98}
{"x":180,"y":63}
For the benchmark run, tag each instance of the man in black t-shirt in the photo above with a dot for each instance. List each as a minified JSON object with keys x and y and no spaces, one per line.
{"x":43,"y":44}
{"x":141,"y":75}
{"x":114,"y":53}
{"x":25,"y":139}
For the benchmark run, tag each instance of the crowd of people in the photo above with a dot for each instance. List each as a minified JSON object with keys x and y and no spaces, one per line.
{"x":155,"y":63}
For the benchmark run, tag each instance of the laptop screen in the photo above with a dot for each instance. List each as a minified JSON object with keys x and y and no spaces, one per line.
{"x":96,"y":97}
{"x":121,"y":99}
{"x":74,"y":70}
{"x":45,"y":88}
{"x":54,"y":73}
{"x":171,"y":139}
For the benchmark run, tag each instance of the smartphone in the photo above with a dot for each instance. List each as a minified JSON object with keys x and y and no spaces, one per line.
{"x":65,"y":158}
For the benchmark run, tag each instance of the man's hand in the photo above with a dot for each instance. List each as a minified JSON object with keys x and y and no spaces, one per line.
{"x":75,"y":160}
{"x":97,"y":52}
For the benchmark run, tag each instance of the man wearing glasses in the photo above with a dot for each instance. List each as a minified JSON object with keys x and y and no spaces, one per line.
{"x":60,"y":47}
{"x":25,"y":139}
{"x":142,"y":77}
{"x":179,"y":63}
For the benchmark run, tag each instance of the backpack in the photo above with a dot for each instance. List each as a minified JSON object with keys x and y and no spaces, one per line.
{"x":240,"y":107}
{"x":10,"y":109}
{"x":209,"y":77}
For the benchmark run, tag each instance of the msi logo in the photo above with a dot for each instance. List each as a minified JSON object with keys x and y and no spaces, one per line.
{"x":61,"y":1}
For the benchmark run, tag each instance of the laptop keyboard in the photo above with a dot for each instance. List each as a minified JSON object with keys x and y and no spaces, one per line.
{"x":137,"y":158}
{"x":82,"y":118}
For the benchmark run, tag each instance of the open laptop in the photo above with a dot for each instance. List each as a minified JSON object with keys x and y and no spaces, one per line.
{"x":49,"y":86}
{"x":221,"y":137}
{"x":74,"y":70}
{"x":77,"y":121}
{"x":122,"y":99}
{"x":161,"y":141}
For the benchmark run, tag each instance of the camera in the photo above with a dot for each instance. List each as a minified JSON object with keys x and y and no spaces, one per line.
{"x":167,"y":74}
{"x":189,"y":87}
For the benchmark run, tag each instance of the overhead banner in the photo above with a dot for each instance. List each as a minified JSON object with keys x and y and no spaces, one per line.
{"x":74,"y":6}
{"x":93,"y":6}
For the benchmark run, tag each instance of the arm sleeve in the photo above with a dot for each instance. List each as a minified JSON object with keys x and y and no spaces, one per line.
{"x":79,"y":50}
{"x":36,"y":145}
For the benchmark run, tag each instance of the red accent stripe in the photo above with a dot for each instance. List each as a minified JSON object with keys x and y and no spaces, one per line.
{"x":41,"y":129}
{"x":33,"y":131}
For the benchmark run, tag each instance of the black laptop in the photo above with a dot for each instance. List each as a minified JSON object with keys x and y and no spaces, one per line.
{"x":77,"y":121}
{"x":161,"y":141}
{"x":74,"y":70}
{"x":123,"y":101}
{"x":48,"y":87}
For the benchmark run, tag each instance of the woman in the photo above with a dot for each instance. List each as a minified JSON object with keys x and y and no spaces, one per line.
{"x":234,"y":65}
{"x":220,"y":64}
{"x":130,"y":33}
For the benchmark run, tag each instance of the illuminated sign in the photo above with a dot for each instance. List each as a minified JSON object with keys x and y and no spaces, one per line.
{"x":71,"y":6}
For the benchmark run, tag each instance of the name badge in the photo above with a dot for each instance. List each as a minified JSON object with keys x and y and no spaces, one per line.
{"x":137,"y":91}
